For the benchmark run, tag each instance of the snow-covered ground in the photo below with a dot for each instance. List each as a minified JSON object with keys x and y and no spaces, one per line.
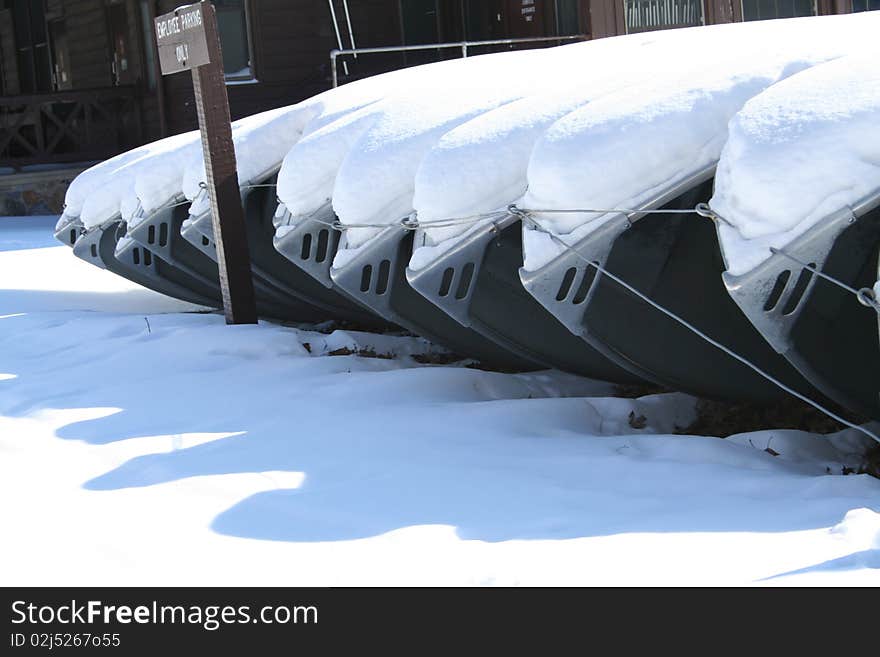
{"x":143,"y":443}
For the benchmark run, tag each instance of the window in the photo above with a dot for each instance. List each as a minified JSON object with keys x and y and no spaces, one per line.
{"x":31,"y":46}
{"x":758,"y":10}
{"x":645,"y":15}
{"x":234,"y":28}
{"x":866,"y":5}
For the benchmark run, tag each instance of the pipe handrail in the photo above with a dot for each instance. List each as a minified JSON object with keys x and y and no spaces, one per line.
{"x":463,"y":45}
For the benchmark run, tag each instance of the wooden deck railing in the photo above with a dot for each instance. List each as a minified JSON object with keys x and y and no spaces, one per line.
{"x":644,"y":15}
{"x":68,"y":126}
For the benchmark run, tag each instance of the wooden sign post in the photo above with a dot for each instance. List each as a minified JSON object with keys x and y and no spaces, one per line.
{"x":188,"y":39}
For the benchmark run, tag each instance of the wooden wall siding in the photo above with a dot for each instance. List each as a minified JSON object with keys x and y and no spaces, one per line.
{"x":8,"y":62}
{"x":86,"y":23}
{"x":291,"y":42}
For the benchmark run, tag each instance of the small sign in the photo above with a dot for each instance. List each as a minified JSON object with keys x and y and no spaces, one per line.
{"x":180,"y":37}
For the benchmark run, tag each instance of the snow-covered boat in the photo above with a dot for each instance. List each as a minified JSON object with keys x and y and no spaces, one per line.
{"x":597,"y":181}
{"x":376,"y":277}
{"x":674,"y":260}
{"x":272,"y":272}
{"x":160,"y":233}
{"x":798,"y":187}
{"x":651,"y":124}
{"x":108,"y":247}
{"x":819,"y":327}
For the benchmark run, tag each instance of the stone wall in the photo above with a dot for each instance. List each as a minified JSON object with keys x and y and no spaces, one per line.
{"x":34,"y":192}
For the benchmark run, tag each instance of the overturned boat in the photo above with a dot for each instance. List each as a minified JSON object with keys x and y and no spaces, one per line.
{"x":298,"y":295}
{"x":674,"y":260}
{"x":160,"y":232}
{"x":105,"y":246}
{"x":801,"y":240}
{"x":824,"y":330}
{"x":476,"y":282}
{"x":376,"y":279}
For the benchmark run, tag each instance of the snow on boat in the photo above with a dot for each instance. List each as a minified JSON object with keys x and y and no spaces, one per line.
{"x":375,"y":184}
{"x":258,"y":140}
{"x":470,"y":270}
{"x":645,"y":149}
{"x":366,"y":163}
{"x":799,"y":185}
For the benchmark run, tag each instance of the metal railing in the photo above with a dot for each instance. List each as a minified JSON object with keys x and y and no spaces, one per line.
{"x":463,"y":45}
{"x":645,"y":15}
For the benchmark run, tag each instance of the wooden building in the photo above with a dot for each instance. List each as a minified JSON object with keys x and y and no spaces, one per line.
{"x":79,"y":79}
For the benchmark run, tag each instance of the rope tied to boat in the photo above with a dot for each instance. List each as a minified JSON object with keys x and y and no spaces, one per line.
{"x":865,"y":296}
{"x":413,"y":222}
{"x":693,"y":329}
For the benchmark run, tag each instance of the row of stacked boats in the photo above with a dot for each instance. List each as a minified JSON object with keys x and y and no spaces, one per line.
{"x":697,"y":208}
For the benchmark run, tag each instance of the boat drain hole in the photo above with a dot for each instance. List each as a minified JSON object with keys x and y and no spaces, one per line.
{"x":205,"y":241}
{"x":94,"y":251}
{"x":384,"y":274}
{"x":565,"y":286}
{"x":323,"y":239}
{"x":446,"y":281}
{"x":72,"y":235}
{"x":464,"y":283}
{"x":797,"y":293}
{"x":163,"y":234}
{"x":366,"y":278}
{"x":151,"y":234}
{"x":585,"y":286}
{"x":136,"y":256}
{"x":778,"y":289}
{"x":306,"y":249}
{"x":148,"y":258}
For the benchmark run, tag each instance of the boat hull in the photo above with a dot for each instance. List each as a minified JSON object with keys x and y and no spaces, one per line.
{"x":270,"y":267}
{"x":161,"y":233}
{"x":674,"y":260}
{"x":100,"y":247}
{"x":821,"y":329}
{"x":477,"y":284}
{"x":376,"y":277}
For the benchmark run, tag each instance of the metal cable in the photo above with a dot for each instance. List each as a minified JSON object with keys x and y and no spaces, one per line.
{"x":865,"y":295}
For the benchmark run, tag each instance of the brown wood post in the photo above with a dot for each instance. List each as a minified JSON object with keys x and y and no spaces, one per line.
{"x":230,"y":234}
{"x":188,"y":39}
